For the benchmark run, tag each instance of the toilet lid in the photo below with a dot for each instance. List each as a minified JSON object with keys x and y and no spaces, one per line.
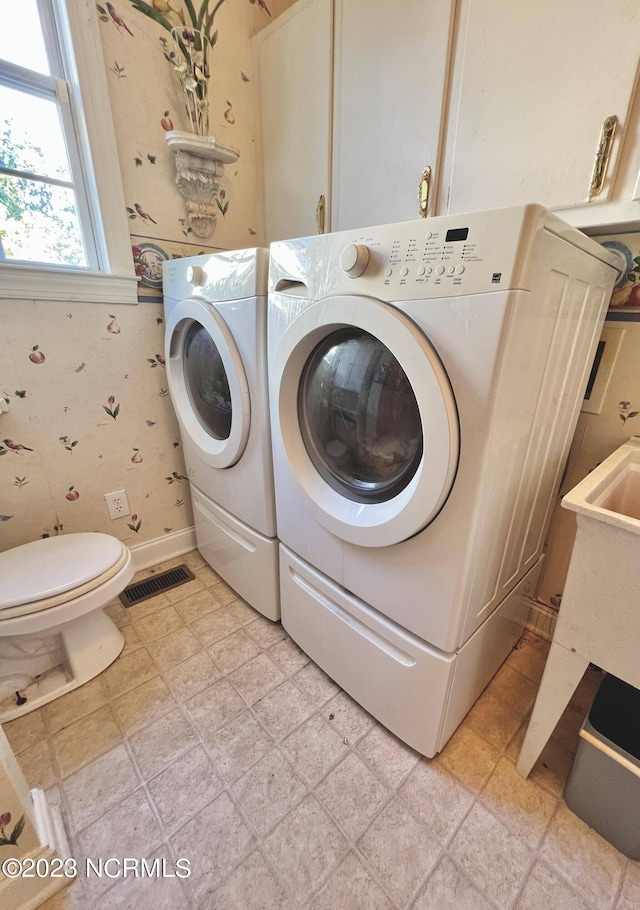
{"x":49,"y":567}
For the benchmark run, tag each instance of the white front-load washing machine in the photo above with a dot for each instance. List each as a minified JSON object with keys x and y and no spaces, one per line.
{"x":426,"y":378}
{"x":216,"y":359}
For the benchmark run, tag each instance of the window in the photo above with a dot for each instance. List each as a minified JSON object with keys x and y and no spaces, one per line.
{"x":45,"y":212}
{"x":61,"y":203}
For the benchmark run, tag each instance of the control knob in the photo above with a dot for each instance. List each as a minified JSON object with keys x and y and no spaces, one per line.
{"x":195,"y":276}
{"x":354,"y":259}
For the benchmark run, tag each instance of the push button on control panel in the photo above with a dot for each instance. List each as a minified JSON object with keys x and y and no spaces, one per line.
{"x":440,"y":270}
{"x":404,"y":272}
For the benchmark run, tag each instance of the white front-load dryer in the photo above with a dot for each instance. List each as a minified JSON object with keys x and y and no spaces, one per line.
{"x":425,"y":379}
{"x":215,"y":354}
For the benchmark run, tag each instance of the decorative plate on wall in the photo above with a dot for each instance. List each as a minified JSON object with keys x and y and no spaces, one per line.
{"x":152,"y":257}
{"x":628,"y":255}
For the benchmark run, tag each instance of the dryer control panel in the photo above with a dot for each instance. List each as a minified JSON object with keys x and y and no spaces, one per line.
{"x":217,"y":277}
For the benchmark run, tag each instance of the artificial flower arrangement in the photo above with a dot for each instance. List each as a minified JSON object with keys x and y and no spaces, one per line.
{"x":193,"y":40}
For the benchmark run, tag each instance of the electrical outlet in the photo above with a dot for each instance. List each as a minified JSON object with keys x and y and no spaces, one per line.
{"x":117,"y":504}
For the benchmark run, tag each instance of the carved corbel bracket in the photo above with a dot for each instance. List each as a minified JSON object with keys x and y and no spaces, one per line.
{"x":200,"y":160}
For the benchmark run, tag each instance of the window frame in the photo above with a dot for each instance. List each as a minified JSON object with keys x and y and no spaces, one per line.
{"x":110,"y":277}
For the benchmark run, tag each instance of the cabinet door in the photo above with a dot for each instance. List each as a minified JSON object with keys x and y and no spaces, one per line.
{"x":390,"y":81}
{"x":533,"y":83}
{"x":293,"y":76}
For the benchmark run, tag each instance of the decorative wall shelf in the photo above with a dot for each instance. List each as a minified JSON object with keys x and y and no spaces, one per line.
{"x":200,"y":161}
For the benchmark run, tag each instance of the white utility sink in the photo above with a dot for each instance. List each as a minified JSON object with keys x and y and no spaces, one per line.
{"x":599,"y":619}
{"x":611,"y":492}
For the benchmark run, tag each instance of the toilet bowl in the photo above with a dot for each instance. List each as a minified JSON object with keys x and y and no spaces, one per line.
{"x":54,"y":634}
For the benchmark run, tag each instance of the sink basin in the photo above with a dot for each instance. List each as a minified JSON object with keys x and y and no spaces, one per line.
{"x":611,"y":492}
{"x":623,"y":495}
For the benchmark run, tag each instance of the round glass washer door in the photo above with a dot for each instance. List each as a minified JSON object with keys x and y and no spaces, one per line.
{"x":208,"y":383}
{"x":359,"y":417}
{"x":369,"y":426}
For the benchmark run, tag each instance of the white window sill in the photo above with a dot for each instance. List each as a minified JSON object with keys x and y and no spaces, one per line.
{"x":26,"y":283}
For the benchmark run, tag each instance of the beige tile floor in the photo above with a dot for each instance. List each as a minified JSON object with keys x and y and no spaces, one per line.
{"x":214,"y":738}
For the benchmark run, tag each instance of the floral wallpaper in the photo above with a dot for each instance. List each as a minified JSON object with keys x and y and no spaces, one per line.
{"x":89,"y":413}
{"x":147,"y":100}
{"x":18,"y":836}
{"x":616,"y":417}
{"x":89,"y":409}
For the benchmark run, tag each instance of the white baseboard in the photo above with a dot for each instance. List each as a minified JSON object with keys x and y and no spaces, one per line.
{"x":49,"y":824}
{"x":152,"y":552}
{"x":541,"y":619}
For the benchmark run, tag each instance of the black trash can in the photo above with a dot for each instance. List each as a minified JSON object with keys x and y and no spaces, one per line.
{"x":603,"y":788}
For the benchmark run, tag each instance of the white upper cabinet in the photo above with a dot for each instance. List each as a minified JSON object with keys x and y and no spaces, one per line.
{"x":352,"y":112}
{"x":292,"y":72}
{"x":504,"y":100}
{"x":390,"y":80}
{"x":532,"y":84}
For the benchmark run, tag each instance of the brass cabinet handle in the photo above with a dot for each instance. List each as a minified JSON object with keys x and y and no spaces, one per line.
{"x":320,"y":209}
{"x":602,"y":156}
{"x":423,"y":192}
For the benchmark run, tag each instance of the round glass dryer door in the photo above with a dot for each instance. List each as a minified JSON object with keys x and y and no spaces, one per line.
{"x":367,"y":418}
{"x":208,"y":383}
{"x":359,"y":417}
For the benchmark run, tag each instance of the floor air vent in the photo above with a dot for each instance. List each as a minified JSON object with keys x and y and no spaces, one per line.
{"x":156,"y":584}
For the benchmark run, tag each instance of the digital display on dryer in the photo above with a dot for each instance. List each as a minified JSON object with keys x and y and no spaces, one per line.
{"x":457,"y":234}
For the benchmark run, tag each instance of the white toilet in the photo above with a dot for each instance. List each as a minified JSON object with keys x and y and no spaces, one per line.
{"x":54,"y":634}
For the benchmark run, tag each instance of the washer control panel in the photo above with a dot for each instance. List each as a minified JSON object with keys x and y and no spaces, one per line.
{"x":445,"y":256}
{"x":434,"y":253}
